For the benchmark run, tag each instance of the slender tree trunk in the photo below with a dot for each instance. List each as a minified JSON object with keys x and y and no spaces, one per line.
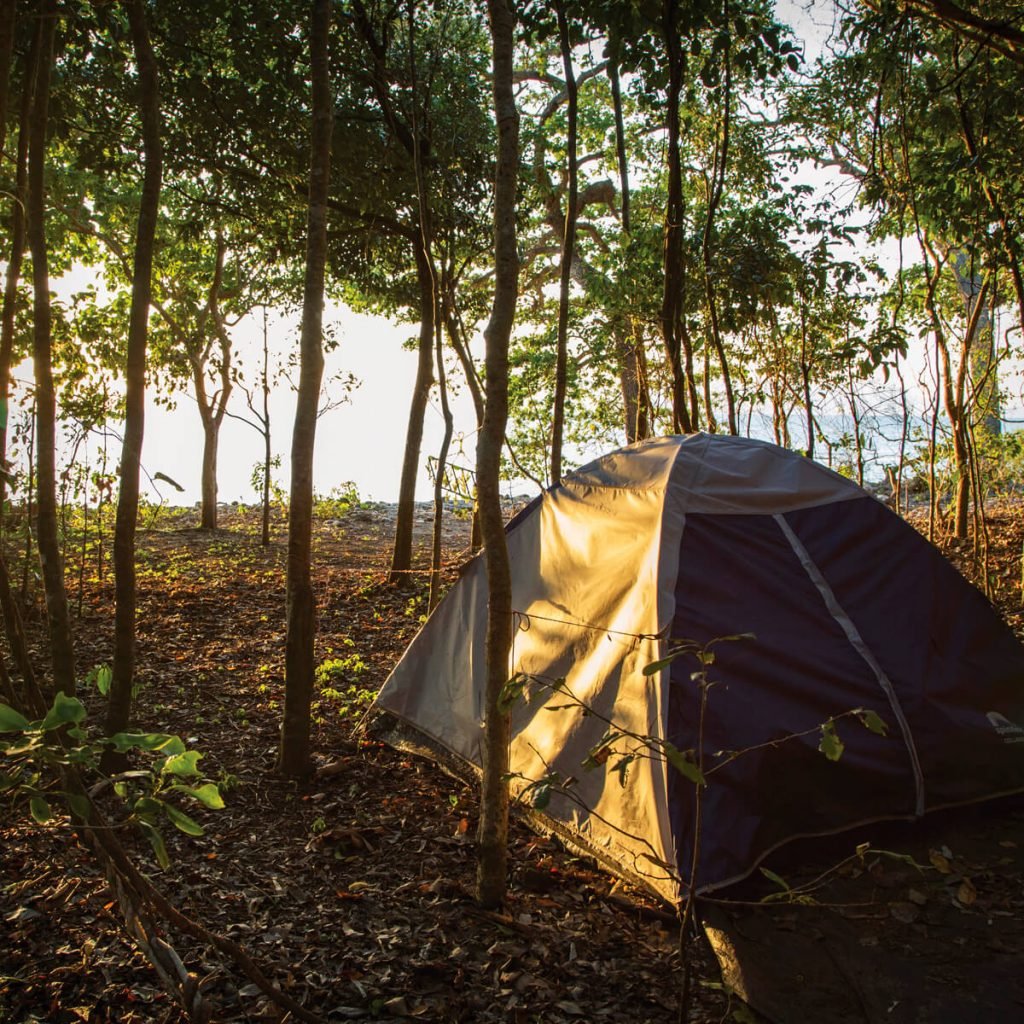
{"x":672,"y":296}
{"x":493,"y":829}
{"x":636,"y":400}
{"x":17,"y":251}
{"x":401,"y":558}
{"x":119,"y":706}
{"x":442,"y":461}
{"x":61,"y":647}
{"x":805,"y":377}
{"x":717,"y":187}
{"x":8,"y":20}
{"x":294,"y":751}
{"x":208,"y":480}
{"x":568,"y":245}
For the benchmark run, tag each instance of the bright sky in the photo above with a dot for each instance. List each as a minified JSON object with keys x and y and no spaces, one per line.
{"x":362,"y":440}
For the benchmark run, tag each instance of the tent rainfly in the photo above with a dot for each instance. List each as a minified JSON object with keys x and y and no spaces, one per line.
{"x":696,"y":538}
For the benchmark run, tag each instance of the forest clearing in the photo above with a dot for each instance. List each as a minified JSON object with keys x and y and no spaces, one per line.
{"x":705,"y":278}
{"x":354,"y":890}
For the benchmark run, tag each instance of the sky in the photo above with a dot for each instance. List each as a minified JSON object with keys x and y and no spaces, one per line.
{"x":360,"y":441}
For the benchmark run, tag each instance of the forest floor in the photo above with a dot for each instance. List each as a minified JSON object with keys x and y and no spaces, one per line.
{"x":354,"y":891}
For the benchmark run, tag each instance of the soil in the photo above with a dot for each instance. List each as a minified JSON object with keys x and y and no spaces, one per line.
{"x":354,"y":891}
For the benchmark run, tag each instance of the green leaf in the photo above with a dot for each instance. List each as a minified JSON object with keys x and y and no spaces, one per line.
{"x":209,"y":795}
{"x":80,"y":805}
{"x":11,"y":721}
{"x":183,"y":765}
{"x":684,"y":764}
{"x":541,"y":797}
{"x":652,"y":668}
{"x":156,"y":840}
{"x":147,"y":809}
{"x":104,"y":677}
{"x":65,"y":711}
{"x":159,"y":742}
{"x":777,"y":879}
{"x":182,"y":821}
{"x":873,"y":721}
{"x":40,"y":810}
{"x":512,"y":691}
{"x":831,"y":745}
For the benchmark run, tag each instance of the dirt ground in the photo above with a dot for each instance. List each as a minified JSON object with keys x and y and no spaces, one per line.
{"x":354,"y":892}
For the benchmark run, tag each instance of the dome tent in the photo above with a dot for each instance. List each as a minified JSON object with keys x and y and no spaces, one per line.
{"x":703,"y":537}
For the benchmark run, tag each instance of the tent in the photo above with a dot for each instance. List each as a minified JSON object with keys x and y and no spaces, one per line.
{"x":698,"y":538}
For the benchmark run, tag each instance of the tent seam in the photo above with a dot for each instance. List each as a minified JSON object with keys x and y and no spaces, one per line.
{"x":858,"y":643}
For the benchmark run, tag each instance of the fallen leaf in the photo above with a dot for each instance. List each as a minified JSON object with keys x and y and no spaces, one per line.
{"x":904,"y":912}
{"x":967,"y":893}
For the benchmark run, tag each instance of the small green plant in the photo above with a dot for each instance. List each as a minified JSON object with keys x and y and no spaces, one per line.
{"x":37,"y":759}
{"x":340,"y":500}
{"x":338,"y":680}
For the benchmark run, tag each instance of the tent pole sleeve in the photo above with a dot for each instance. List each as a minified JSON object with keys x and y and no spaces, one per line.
{"x":847,"y":625}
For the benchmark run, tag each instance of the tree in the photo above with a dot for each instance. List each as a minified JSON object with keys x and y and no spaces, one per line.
{"x":294,"y":753}
{"x":61,"y":646}
{"x":924,"y":117}
{"x":119,"y":706}
{"x":493,"y":829}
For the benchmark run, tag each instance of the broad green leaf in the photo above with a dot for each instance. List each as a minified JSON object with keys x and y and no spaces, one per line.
{"x":159,"y":742}
{"x":831,"y":745}
{"x":156,"y":840}
{"x":11,"y":721}
{"x":541,"y":797}
{"x":684,"y":764}
{"x":183,"y":765}
{"x":104,"y":677}
{"x":182,"y":821}
{"x":208,"y":794}
{"x":873,"y":721}
{"x":147,"y":809}
{"x":80,"y":806}
{"x":65,"y":711}
{"x":40,"y":810}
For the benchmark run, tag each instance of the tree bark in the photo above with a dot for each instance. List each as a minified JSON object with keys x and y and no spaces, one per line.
{"x":17,"y":251}
{"x":636,"y":400}
{"x":493,"y":829}
{"x":401,"y":557}
{"x":568,"y":245}
{"x":208,"y":478}
{"x":119,"y":705}
{"x":294,"y":751}
{"x":715,"y":191}
{"x":51,"y":563}
{"x":684,"y":413}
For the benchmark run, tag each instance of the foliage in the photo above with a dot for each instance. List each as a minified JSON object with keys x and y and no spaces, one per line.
{"x":35,"y":756}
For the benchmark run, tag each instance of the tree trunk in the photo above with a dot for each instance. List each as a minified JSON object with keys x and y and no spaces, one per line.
{"x":294,"y":752}
{"x":61,"y":647}
{"x":401,"y":558}
{"x":119,"y":706}
{"x":493,"y":829}
{"x":17,"y":251}
{"x":442,"y":461}
{"x":717,"y":187}
{"x":636,"y":399}
{"x":211,"y":439}
{"x":568,"y":244}
{"x":683,"y":403}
